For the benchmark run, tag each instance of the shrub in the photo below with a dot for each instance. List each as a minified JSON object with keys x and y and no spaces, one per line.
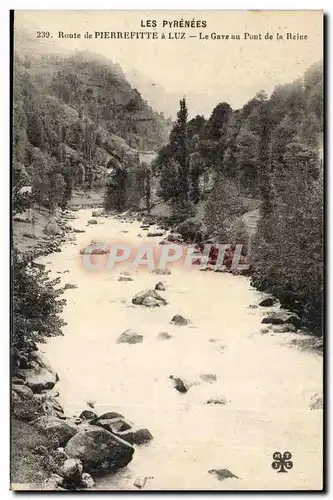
{"x":189,"y":228}
{"x":223,"y":206}
{"x":36,"y":305}
{"x":181,"y":211}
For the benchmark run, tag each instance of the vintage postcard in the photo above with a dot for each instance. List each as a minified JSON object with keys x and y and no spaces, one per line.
{"x":167,"y":254}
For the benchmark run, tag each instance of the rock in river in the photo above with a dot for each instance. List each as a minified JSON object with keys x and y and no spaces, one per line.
{"x":268,"y":302}
{"x":164,"y":336}
{"x":125,"y":278}
{"x":99,"y":450}
{"x":217,"y":401}
{"x":149,"y":292}
{"x":222,"y":474}
{"x":154,"y":234}
{"x":88,"y":415}
{"x":281,"y":317}
{"x":179,"y":384}
{"x":162,"y":272}
{"x":135,"y":435}
{"x":150,"y":302}
{"x":179,"y":320}
{"x":113,"y":425}
{"x":129,"y":337}
{"x":160,"y":286}
{"x":286,"y":327}
{"x":208,"y":377}
{"x":110,"y":414}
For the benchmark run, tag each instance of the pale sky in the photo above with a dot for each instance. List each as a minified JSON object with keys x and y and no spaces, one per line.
{"x":205,"y":71}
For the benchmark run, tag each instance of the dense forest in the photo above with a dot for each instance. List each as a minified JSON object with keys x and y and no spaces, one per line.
{"x":267,"y":156}
{"x":74,"y":118}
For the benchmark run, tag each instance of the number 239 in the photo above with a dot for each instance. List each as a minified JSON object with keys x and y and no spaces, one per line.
{"x":43,"y":34}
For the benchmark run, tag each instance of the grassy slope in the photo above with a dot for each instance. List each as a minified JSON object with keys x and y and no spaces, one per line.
{"x":27,"y":466}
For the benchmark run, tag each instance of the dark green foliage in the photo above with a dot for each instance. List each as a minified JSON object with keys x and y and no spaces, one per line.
{"x":189,"y":229}
{"x":223,"y":206}
{"x":20,"y":200}
{"x":116,"y":195}
{"x":36,"y":305}
{"x":287,"y":250}
{"x":169,"y":181}
{"x":182,"y":210}
{"x":148,"y":188}
{"x":173,"y":161}
{"x":179,"y":142}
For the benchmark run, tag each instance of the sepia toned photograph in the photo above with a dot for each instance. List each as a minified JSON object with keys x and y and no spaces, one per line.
{"x":167,"y":250}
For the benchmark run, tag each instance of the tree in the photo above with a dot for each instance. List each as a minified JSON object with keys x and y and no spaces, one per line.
{"x":148,"y":189}
{"x":222,"y":207}
{"x":20,"y":200}
{"x":48,"y":184}
{"x":179,"y":144}
{"x":36,"y":306}
{"x":197,"y":167}
{"x":247,"y":158}
{"x":116,"y":189}
{"x":169,"y":181}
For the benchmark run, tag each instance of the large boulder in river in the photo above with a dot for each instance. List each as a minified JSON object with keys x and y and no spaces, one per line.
{"x":149,"y":292}
{"x":150,"y":302}
{"x":92,"y":221}
{"x":99,"y":450}
{"x":281,"y":317}
{"x":55,"y":427}
{"x":129,"y":337}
